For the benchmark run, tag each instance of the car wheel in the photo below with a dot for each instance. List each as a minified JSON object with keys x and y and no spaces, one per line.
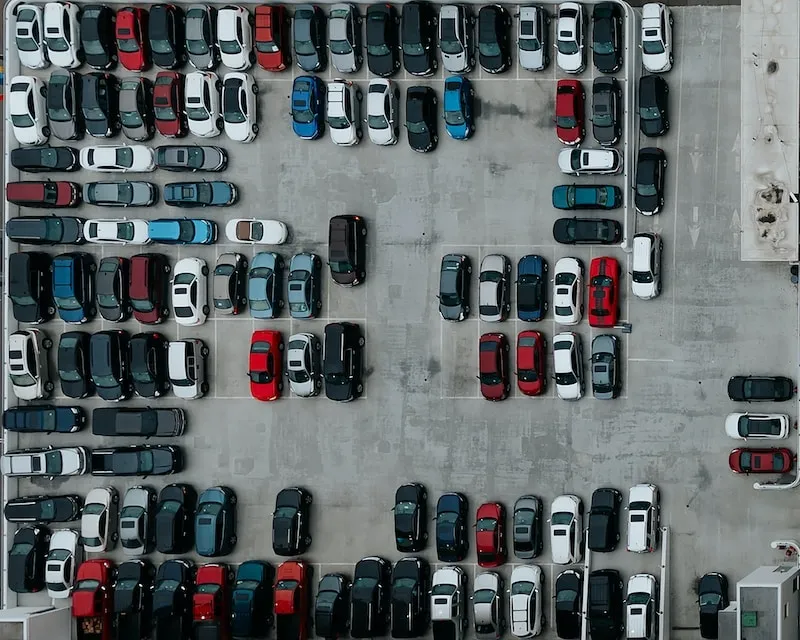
{"x":204,"y":352}
{"x":234,"y":540}
{"x":204,"y":271}
{"x":255,"y":88}
{"x":280,"y":346}
{"x":243,"y":302}
{"x":359,"y":95}
{"x":115,"y":535}
{"x":466,"y":310}
{"x":165,"y":312}
{"x":280,"y":386}
{"x":92,"y":311}
{"x":255,"y":128}
{"x":115,"y":498}
{"x":206,"y":310}
{"x":46,"y":132}
{"x":167,"y":268}
{"x":319,"y":304}
{"x":507,"y":347}
{"x":361,"y":341}
{"x":307,"y":541}
{"x":47,"y":343}
{"x":360,"y":388}
{"x":317,"y":345}
{"x":234,"y":500}
{"x":51,"y":311}
{"x":425,"y":536}
{"x":49,"y":386}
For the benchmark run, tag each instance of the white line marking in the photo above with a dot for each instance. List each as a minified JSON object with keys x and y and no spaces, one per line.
{"x":675,"y":190}
{"x":650,"y":360}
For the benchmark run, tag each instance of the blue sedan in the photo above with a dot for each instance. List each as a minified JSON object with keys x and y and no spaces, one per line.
{"x":182,"y":231}
{"x":458,"y":107}
{"x":308,"y":107}
{"x":532,"y":288}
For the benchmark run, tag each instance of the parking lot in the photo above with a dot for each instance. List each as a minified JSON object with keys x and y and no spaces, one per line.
{"x":421,"y":417}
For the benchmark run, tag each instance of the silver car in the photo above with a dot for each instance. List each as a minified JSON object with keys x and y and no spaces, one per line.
{"x":344,"y":36}
{"x":304,"y":290}
{"x":191,"y":157}
{"x":605,"y":373}
{"x":229,"y":284}
{"x":487,"y":606}
{"x":533,"y":38}
{"x":120,"y":194}
{"x":201,"y":37}
{"x":136,"y":520}
{"x":457,"y":38}
{"x":99,"y":520}
{"x":135,"y":98}
{"x":303,"y":364}
{"x":63,"y":104}
{"x":494,"y":289}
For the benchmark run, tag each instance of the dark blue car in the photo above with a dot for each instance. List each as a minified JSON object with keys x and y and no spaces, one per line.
{"x":44,"y":418}
{"x":251,"y":601}
{"x":308,"y":107}
{"x":182,"y":231}
{"x":215,"y":522}
{"x":73,"y":287}
{"x":459,"y":97}
{"x":452,"y":539}
{"x":214,"y":193}
{"x":532,"y":288}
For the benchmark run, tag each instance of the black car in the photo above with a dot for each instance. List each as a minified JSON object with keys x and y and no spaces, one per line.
{"x":452,"y":539}
{"x":454,"y":277}
{"x":369,"y":598}
{"x":410,"y":600}
{"x":133,"y":598}
{"x":145,"y":422}
{"x":291,"y":530}
{"x":411,"y":517}
{"x":310,"y":49}
{"x":569,"y":597}
{"x":347,"y":248}
{"x":174,"y":519}
{"x":45,"y":159}
{"x":73,"y":364}
{"x":422,"y":119}
{"x":604,"y":520}
{"x":138,"y":460}
{"x":44,"y":509}
{"x":26,"y":559}
{"x":108,"y":362}
{"x":343,"y":361}
{"x":418,"y":38}
{"x":587,"y":231}
{"x":527,"y":524}
{"x":251,"y":600}
{"x":63,"y":105}
{"x":331,"y":606}
{"x":653,"y":106}
{"x":172,"y":599}
{"x":383,"y":52}
{"x":45,"y":230}
{"x":712,"y":597}
{"x":148,"y":361}
{"x":604,"y":608}
{"x":494,"y":42}
{"x":44,"y":418}
{"x":651,"y":164}
{"x":606,"y":111}
{"x":166,"y":33}
{"x":760,"y":388}
{"x":30,"y":286}
{"x":100,"y":104}
{"x":112,"y":282}
{"x":98,"y":37}
{"x":607,"y":37}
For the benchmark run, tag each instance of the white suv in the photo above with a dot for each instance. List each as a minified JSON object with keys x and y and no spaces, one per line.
{"x":566,"y":529}
{"x":27,"y":104}
{"x":62,"y":34}
{"x":344,"y":112}
{"x":202,"y":104}
{"x":27,"y":364}
{"x":656,"y":37}
{"x":525,"y":595}
{"x":449,"y":602}
{"x":568,"y":365}
{"x":644,"y":518}
{"x":47,"y":462}
{"x":641,"y":604}
{"x":578,"y":162}
{"x":186,"y":363}
{"x":646,"y":272}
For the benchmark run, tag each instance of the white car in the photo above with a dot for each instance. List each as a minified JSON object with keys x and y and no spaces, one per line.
{"x":383,"y":119}
{"x":344,"y":112}
{"x":568,"y":291}
{"x":493,"y":292}
{"x":644,"y":518}
{"x":656,"y":37}
{"x":303,"y":364}
{"x":487,"y":606}
{"x":28,"y":368}
{"x":27,"y":105}
{"x":190,"y":291}
{"x":525,"y":595}
{"x":235,"y":37}
{"x":202,"y":103}
{"x":570,"y":38}
{"x":646,"y":269}
{"x":568,"y":365}
{"x":135,"y":158}
{"x":136,"y":520}
{"x":239,"y":109}
{"x":121,"y":231}
{"x":63,"y":558}
{"x":457,"y":27}
{"x":746,"y":426}
{"x":186,"y":364}
{"x":29,"y":36}
{"x":532,"y":38}
{"x":99,"y":520}
{"x":578,"y":162}
{"x":449,"y":600}
{"x":62,"y":34}
{"x":566,"y":529}
{"x":255,"y":231}
{"x":641,"y":605}
{"x":47,"y":462}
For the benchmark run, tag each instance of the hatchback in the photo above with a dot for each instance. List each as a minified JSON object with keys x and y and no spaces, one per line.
{"x":347,"y":250}
{"x":343,"y":361}
{"x":132,"y":43}
{"x":422,"y":119}
{"x":112,"y":283}
{"x":653,"y":106}
{"x":303,"y":365}
{"x":533,"y":38}
{"x":459,"y":98}
{"x":44,"y":159}
{"x":272,"y":42}
{"x":304,"y":286}
{"x":493,"y":366}
{"x":73,"y":287}
{"x":97,"y":36}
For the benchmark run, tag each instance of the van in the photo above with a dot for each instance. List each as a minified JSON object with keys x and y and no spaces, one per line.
{"x":47,"y":193}
{"x":646,"y":273}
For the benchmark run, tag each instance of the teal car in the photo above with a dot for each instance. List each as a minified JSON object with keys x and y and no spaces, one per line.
{"x":570,"y":197}
{"x":182,"y":231}
{"x":459,"y":97}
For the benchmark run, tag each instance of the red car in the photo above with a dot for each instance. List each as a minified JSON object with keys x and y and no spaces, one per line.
{"x":490,"y":534}
{"x":168,"y":104}
{"x":272,"y":37}
{"x":147,"y":287}
{"x":266,"y":365}
{"x":570,"y":98}
{"x":493,"y":366}
{"x":133,"y":45}
{"x":93,"y":599}
{"x":48,"y":193}
{"x":211,"y":603}
{"x":603,"y":292}
{"x":531,"y":363}
{"x":775,"y":460}
{"x":292,"y":599}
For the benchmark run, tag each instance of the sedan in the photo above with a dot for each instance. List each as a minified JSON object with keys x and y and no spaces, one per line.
{"x":215,"y":193}
{"x":99,"y":520}
{"x":774,"y":460}
{"x":239,"y":107}
{"x":411,"y":517}
{"x":136,"y":520}
{"x":459,"y":107}
{"x":136,"y":109}
{"x":604,"y":274}
{"x":112,"y":284}
{"x":570,"y":122}
{"x":568,"y":291}
{"x":201,"y":37}
{"x":121,"y":231}
{"x":97,"y":36}
{"x":305,"y":285}
{"x":28,"y":110}
{"x":132,"y":43}
{"x":454,"y":280}
{"x":229,"y":284}
{"x":100,"y":104}
{"x":587,"y":231}
{"x":369,"y":598}
{"x":712,"y":597}
{"x":383,"y":52}
{"x":568,"y":365}
{"x":29,"y":36}
{"x":493,"y":366}
{"x":570,"y":38}
{"x":203,"y":111}
{"x":344,"y":35}
{"x":607,"y":37}
{"x":533,"y":38}
{"x":62,"y":34}
{"x":605,"y":367}
{"x":490,"y":534}
{"x":26,"y":559}
{"x":657,"y":56}
{"x":63,"y":106}
{"x":422,"y":119}
{"x":308,"y":107}
{"x":531,"y":363}
{"x":45,"y":159}
{"x":168,"y":104}
{"x":525,"y":601}
{"x":494,"y":43}
{"x":653,"y":106}
{"x":303,"y":365}
{"x":410,"y":598}
{"x":527,"y":527}
{"x":531,"y":283}
{"x":291,"y":522}
{"x":566,"y":529}
{"x":487,"y":606}
{"x":266,"y":365}
{"x":166,"y":34}
{"x":607,"y":111}
{"x":215,"y":522}
{"x":383,"y":119}
{"x":265,"y":286}
{"x":452,"y":542}
{"x":190,"y":291}
{"x":309,"y":38}
{"x":760,"y":388}
{"x":235,"y":37}
{"x":651,"y":164}
{"x":494,"y":291}
{"x":133,"y":158}
{"x":191,"y":158}
{"x":73,"y":364}
{"x":603,"y":529}
{"x":569,"y":597}
{"x":63,"y":558}
{"x":45,"y":509}
{"x":331,"y":606}
{"x":126,"y":193}
{"x":743,"y":426}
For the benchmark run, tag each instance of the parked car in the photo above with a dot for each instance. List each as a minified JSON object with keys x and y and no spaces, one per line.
{"x":146,"y":422}
{"x":251,"y":600}
{"x":305,"y":285}
{"x":459,"y":107}
{"x":531,"y":363}
{"x":239,"y":107}
{"x":579,"y":162}
{"x":188,"y":368}
{"x":493,"y":355}
{"x":603,"y":529}
{"x":28,"y":368}
{"x":168,"y":104}
{"x":570,"y":106}
{"x":172,"y":599}
{"x":136,"y":521}
{"x":587,"y":231}
{"x":422,"y":118}
{"x":490,"y":534}
{"x":607,"y":30}
{"x":568,"y":291}
{"x":566,"y":529}
{"x":533,"y":38}
{"x":343,"y":112}
{"x":147,"y":287}
{"x":383,"y":119}
{"x":264,"y":289}
{"x":235,"y":37}
{"x":571,"y":37}
{"x":604,"y":274}
{"x":569,"y":600}
{"x":418,"y":38}
{"x":449,"y":602}
{"x":112,"y":284}
{"x":266,"y":365}
{"x":369,"y":598}
{"x":344,"y":37}
{"x":100,"y":104}
{"x":99,"y":520}
{"x":126,"y":193}
{"x":138,"y":460}
{"x":757,"y":425}
{"x":229,"y":284}
{"x":73,"y":364}
{"x":644,"y":518}
{"x":383,"y":46}
{"x":343,"y":361}
{"x":44,"y":159}
{"x":202,"y":104}
{"x":308,"y":107}
{"x":452,"y":541}
{"x":272,"y":41}
{"x":64,"y":556}
{"x":201,"y":37}
{"x":193,"y":158}
{"x":45,"y":230}
{"x":190,"y":292}
{"x":215,"y":522}
{"x":44,"y":509}
{"x":98,"y":39}
{"x":525,"y":601}
{"x":121,"y":231}
{"x":26,"y":559}
{"x":760,"y":388}
{"x":657,"y":52}
{"x":291,"y":522}
{"x":182,"y":231}
{"x":454,"y":281}
{"x":47,"y":462}
{"x":488,"y":611}
{"x":256,"y":231}
{"x":347,"y":250}
{"x":132,"y":44}
{"x":773,"y":460}
{"x":568,"y":365}
{"x":607,"y":111}
{"x":28,"y":109}
{"x":604,"y":605}
{"x":712,"y":597}
{"x":73,"y":287}
{"x":30,"y":286}
{"x":215,"y":193}
{"x":148,"y":364}
{"x":651,"y":163}
{"x":303,"y":365}
{"x":331,"y":605}
{"x":606,"y":381}
{"x":646,"y":273}
{"x":62,"y":34}
{"x":136,"y":108}
{"x":63,"y":105}
{"x":29,"y":36}
{"x":309,"y":38}
{"x":167,"y":35}
{"x":118,"y":159}
{"x":42,"y":194}
{"x":527,"y":527}
{"x":410,"y":597}
{"x":411,"y":517}
{"x":457,"y":38}
{"x":494,"y":43}
{"x":653,"y":106}
{"x":532,"y":303}
{"x":641,"y":606}
{"x":108,"y":362}
{"x":575,"y":197}
{"x":211,"y":601}
{"x":44,"y":418}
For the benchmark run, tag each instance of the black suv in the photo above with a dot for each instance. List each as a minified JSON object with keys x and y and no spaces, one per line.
{"x":26,"y":559}
{"x":291,"y":531}
{"x":45,"y":230}
{"x":452,"y":539}
{"x":418,"y":38}
{"x":607,"y":37}
{"x":73,"y":364}
{"x":411,"y":517}
{"x":606,"y":111}
{"x":111,"y":282}
{"x":422,"y":119}
{"x":331,"y":606}
{"x":347,"y":249}
{"x":604,"y":520}
{"x":45,"y":509}
{"x":45,"y":159}
{"x":98,"y":37}
{"x":605,"y":605}
{"x":30,"y":286}
{"x":108,"y":362}
{"x":44,"y":418}
{"x":587,"y":231}
{"x":410,"y":598}
{"x":494,"y":42}
{"x":653,"y":106}
{"x":174,"y":519}
{"x":369,"y":598}
{"x":383,"y":53}
{"x":569,"y":598}
{"x":148,"y":358}
{"x":100,"y":104}
{"x":167,"y":36}
{"x":342,"y":365}
{"x":454,"y":277}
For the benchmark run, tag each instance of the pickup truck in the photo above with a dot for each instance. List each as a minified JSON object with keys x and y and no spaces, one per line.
{"x":133,"y":600}
{"x":211,"y":604}
{"x":147,"y":422}
{"x":137,"y":460}
{"x":292,"y":600}
{"x":92,"y":602}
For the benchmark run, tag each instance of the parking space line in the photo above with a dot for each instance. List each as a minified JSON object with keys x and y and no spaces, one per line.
{"x":650,"y":360}
{"x":675,"y":190}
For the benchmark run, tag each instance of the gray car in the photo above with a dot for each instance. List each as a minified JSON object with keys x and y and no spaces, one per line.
{"x":191,"y":158}
{"x":308,"y":34}
{"x":605,"y":370}
{"x":305,"y":294}
{"x":125,"y":193}
{"x":344,"y":37}
{"x":527,"y":527}
{"x":136,"y":521}
{"x":264,"y":288}
{"x":63,"y":106}
{"x":201,"y":37}
{"x":229,"y":284}
{"x":136,"y":109}
{"x":487,"y":606}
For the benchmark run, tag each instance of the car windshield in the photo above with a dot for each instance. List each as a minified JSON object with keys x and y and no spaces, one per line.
{"x":377,"y":122}
{"x":339,"y":122}
{"x":21,"y":549}
{"x":642,"y":277}
{"x":22,"y":120}
{"x":448,"y":40}
{"x":602,"y":116}
{"x":58,"y":112}
{"x":567,"y":47}
{"x":483,"y":596}
{"x":529,"y":42}
{"x":300,"y":111}
{"x":646,"y":189}
{"x":710,"y":599}
{"x":340,"y":47}
{"x":233,"y":112}
{"x":378,"y":49}
{"x":490,"y":379}
{"x":94,"y":114}
{"x":124,"y":157}
{"x":603,"y":47}
{"x":419,"y":127}
{"x":142,"y":305}
{"x":566,"y":596}
{"x":165,"y":113}
{"x":455,"y":117}
{"x":106,"y":381}
{"x":566,"y":122}
{"x":52,"y":462}
{"x":160,"y":45}
{"x":130,"y":119}
{"x":92,"y":46}
{"x":22,"y":380}
{"x":22,"y":300}
{"x":56,"y":44}
{"x":340,"y":266}
{"x":197,"y":113}
{"x":521,"y":588}
{"x":566,"y":378}
{"x":486,"y":524}
{"x":230,"y":47}
{"x":652,"y":47}
{"x":198,"y":46}
{"x":561,"y":518}
{"x":489,"y":49}
{"x":413,"y":49}
{"x":638,"y":598}
{"x":649,"y":113}
{"x":68,"y":303}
